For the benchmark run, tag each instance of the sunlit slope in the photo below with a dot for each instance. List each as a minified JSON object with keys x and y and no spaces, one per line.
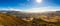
{"x":16,"y":18}
{"x":12,"y":19}
{"x":8,"y":20}
{"x":50,"y":16}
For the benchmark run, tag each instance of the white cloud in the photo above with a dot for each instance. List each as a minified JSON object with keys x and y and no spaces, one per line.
{"x":42,"y":9}
{"x":11,"y":9}
{"x":35,"y":10}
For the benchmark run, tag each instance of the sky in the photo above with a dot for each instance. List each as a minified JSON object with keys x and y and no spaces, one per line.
{"x":30,"y":5}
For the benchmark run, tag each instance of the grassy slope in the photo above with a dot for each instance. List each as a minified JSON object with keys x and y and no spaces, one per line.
{"x":12,"y":20}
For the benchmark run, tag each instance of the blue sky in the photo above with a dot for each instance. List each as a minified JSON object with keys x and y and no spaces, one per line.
{"x":29,"y":4}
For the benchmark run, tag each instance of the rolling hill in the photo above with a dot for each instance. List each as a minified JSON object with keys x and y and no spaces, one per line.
{"x":19,"y":18}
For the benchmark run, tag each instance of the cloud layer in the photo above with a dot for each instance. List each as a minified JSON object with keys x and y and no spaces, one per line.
{"x":42,"y":9}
